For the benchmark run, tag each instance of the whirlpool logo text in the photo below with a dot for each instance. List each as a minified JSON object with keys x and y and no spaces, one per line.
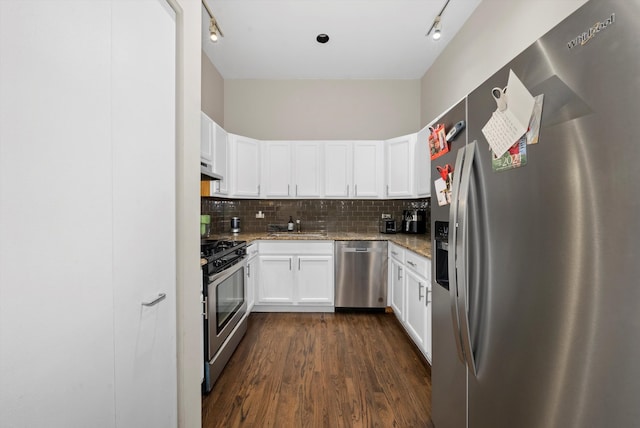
{"x":583,"y":38}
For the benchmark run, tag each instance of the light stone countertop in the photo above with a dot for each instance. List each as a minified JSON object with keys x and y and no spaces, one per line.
{"x":420,"y":244}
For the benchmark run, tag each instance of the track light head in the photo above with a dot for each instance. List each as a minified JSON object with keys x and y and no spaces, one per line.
{"x":437,"y":29}
{"x":213,"y":30}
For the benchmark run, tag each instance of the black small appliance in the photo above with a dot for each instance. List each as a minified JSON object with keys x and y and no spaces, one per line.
{"x":414,"y":221}
{"x":387,"y":225}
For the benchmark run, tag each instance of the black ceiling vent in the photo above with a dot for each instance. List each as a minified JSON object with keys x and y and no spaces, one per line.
{"x":322,"y":38}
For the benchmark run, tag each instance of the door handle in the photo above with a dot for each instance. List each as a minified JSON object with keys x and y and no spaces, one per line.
{"x":453,"y":238}
{"x":161,"y":297}
{"x":462,"y":256}
{"x":204,"y":312}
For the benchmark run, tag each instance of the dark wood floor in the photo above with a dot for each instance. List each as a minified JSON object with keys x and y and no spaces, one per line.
{"x":322,"y":370}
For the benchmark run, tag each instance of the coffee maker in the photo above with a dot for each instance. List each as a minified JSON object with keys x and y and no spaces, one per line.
{"x":414,"y":221}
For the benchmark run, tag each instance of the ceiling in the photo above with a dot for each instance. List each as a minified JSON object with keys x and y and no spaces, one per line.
{"x":369,"y":39}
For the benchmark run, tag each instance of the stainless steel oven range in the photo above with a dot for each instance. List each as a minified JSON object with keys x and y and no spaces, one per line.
{"x":225,"y":305}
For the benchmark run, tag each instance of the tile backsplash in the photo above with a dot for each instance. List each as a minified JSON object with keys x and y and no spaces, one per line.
{"x":331,"y":215}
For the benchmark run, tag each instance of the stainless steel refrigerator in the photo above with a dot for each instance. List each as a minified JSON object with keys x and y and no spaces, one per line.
{"x":536,"y":273}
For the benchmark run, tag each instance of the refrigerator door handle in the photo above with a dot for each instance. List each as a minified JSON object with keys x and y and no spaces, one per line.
{"x":453,"y":238}
{"x":462,"y":256}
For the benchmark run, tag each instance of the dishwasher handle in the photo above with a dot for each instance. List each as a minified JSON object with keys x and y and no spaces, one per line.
{"x":362,"y":250}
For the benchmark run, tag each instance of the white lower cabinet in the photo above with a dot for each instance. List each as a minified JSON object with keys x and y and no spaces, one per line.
{"x":295,"y":276}
{"x":315,"y":279}
{"x":251,"y":272}
{"x":411,"y":295}
{"x":276,"y":279}
{"x":397,"y":288}
{"x":416,"y":308}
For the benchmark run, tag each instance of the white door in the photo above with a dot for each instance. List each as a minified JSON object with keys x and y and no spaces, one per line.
{"x":427,"y":323}
{"x":144,"y":205}
{"x":422,"y":164}
{"x":415,"y":311}
{"x":207,"y":137}
{"x":397,"y":288}
{"x":87,"y":214}
{"x":399,"y":167}
{"x":252,"y":272}
{"x":307,"y":169}
{"x":277,"y":170}
{"x":368,"y":172}
{"x":276,"y":279}
{"x":245,"y":164}
{"x":221,"y":159}
{"x":315,"y":279}
{"x":338,"y":169}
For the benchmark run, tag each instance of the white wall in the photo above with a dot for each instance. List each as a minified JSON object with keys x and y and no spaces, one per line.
{"x":496,"y":32}
{"x":321,"y":109}
{"x":212,"y":91}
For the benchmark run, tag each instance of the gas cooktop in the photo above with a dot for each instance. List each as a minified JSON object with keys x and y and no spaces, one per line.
{"x":221,"y":254}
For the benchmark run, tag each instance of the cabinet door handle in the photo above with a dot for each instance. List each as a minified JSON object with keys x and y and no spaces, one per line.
{"x":399,"y":273}
{"x":289,"y":263}
{"x":258,"y":190}
{"x":387,"y":190}
{"x":204,"y":311}
{"x":288,"y":190}
{"x":355,"y":193}
{"x":296,"y":190}
{"x":411,"y":263}
{"x":298,"y":264}
{"x":428,"y":299}
{"x":420,"y":287}
{"x":347,"y":190}
{"x":161,"y":296}
{"x":248,"y":271}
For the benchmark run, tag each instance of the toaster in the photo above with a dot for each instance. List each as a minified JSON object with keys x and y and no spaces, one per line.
{"x":387,"y":226}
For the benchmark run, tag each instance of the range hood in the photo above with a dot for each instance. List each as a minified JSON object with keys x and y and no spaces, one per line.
{"x":207,"y":174}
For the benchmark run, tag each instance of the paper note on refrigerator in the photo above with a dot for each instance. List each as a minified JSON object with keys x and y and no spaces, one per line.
{"x":507,"y":126}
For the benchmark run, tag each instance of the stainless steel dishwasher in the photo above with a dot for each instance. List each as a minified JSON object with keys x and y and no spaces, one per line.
{"x":361,"y":274}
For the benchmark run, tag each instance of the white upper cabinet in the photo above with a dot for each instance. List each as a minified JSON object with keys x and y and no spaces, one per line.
{"x":371,"y":169}
{"x":368,"y":169}
{"x":338,"y":169}
{"x":407,"y":165}
{"x":400,"y":166}
{"x":245,"y":166}
{"x":221,"y":160}
{"x":422,"y":164}
{"x":276,"y":177}
{"x":307,"y":169}
{"x":207,"y":136}
{"x":292,"y":169}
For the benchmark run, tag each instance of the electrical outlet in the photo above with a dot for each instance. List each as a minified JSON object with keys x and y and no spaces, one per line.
{"x":259,"y":214}
{"x":386,"y":216}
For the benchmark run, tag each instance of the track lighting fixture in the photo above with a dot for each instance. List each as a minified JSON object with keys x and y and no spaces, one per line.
{"x":214,"y":29}
{"x":436,"y":27}
{"x":213,"y":33}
